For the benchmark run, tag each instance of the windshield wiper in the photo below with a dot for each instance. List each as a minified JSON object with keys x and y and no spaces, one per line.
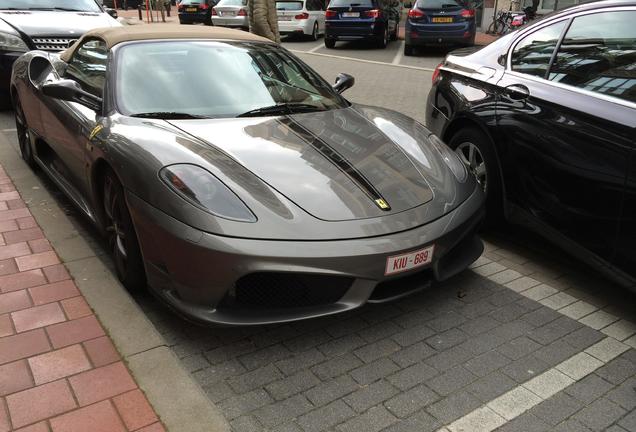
{"x":282,"y":108}
{"x":168,"y":115}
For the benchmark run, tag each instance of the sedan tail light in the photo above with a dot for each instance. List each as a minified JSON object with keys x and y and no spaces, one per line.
{"x":416,"y":13}
{"x":241,"y":12}
{"x":214,"y":12}
{"x":468,"y":13}
{"x":436,"y":73}
{"x":204,"y":6}
{"x":330,"y":14}
{"x":373,"y":13}
{"x":302,"y":16}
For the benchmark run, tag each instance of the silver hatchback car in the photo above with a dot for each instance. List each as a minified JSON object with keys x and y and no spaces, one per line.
{"x":231,"y":13}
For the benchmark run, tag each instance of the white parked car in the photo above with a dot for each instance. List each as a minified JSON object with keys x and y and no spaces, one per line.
{"x":301,"y":17}
{"x":231,"y":13}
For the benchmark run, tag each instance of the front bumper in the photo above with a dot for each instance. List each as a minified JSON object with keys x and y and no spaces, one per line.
{"x":6,"y":64}
{"x":196,"y":273}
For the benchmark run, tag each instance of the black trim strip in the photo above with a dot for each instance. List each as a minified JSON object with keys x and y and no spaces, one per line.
{"x":339,"y":161}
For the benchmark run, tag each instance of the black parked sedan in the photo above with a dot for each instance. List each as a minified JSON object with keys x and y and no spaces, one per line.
{"x":546,"y":118}
{"x":349,"y":20}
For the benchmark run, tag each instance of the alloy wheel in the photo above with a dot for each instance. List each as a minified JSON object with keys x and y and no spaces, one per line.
{"x":471,"y":156}
{"x":24,"y":139}
{"x":116,"y":226}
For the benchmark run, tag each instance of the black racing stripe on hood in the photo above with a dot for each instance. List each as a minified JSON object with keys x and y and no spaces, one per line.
{"x":337,"y":159}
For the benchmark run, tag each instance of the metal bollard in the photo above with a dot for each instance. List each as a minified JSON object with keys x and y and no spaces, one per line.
{"x":139,"y":10}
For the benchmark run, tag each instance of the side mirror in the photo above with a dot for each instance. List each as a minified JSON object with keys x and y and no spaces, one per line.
{"x":343,"y":82}
{"x":111,"y":12}
{"x":71,"y":91}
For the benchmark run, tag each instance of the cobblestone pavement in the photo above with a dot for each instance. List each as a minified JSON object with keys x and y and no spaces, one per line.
{"x":527,"y":340}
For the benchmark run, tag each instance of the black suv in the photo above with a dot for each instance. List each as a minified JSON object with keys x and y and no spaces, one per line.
{"x":347,"y":20}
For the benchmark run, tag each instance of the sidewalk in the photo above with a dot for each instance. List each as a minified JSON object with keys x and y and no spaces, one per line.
{"x":59,"y":371}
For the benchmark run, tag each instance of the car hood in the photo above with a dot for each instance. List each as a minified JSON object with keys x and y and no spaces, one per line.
{"x":56,"y":23}
{"x":337,"y":165}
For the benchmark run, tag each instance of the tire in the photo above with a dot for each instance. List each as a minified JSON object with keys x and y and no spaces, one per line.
{"x":384,"y":41}
{"x":408,"y":50}
{"x":208,"y":21}
{"x":394,"y":35}
{"x":485,"y":167}
{"x":330,"y":43}
{"x":24,"y":136}
{"x":314,"y":32}
{"x":121,"y":235}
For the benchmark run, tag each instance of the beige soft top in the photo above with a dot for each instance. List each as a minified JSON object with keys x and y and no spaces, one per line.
{"x":116,"y":35}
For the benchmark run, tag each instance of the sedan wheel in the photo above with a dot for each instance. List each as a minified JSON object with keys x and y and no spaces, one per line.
{"x":121,"y":236}
{"x":474,"y":161}
{"x":24,"y":137}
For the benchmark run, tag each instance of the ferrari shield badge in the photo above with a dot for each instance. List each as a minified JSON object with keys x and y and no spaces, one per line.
{"x":382,"y":204}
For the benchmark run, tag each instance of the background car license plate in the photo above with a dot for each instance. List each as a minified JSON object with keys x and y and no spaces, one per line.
{"x":284,"y":18}
{"x":442,"y":19}
{"x":229,"y":13}
{"x":350,"y":14}
{"x":409,"y":261}
{"x":191,"y":9}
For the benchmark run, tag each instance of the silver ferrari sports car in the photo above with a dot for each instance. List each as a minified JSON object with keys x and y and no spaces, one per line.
{"x":235,"y":182}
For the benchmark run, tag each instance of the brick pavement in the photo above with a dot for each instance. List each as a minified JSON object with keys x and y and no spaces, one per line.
{"x":59,"y":371}
{"x":415,"y":365}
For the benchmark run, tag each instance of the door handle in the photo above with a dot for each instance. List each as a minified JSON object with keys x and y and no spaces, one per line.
{"x":518,"y":92}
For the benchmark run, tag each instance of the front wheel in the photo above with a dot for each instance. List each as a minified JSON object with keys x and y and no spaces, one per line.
{"x":408,"y":50}
{"x":330,"y":43}
{"x":314,"y":32}
{"x":476,"y":152}
{"x":382,"y":43}
{"x":24,"y":136}
{"x":394,"y":35}
{"x":122,"y":237}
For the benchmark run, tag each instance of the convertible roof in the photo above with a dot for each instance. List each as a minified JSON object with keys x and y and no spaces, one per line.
{"x":116,"y":35}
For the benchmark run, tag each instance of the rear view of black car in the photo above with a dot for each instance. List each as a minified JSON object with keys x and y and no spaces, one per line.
{"x":196,"y":11}
{"x":375,"y":20}
{"x":439,"y":22}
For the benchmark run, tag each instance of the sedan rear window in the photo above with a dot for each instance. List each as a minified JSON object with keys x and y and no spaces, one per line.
{"x":349,"y":3}
{"x":289,"y":5}
{"x":232,"y":3}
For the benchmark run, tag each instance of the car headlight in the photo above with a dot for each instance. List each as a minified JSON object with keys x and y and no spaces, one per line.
{"x":9,"y":42}
{"x":450,"y":158}
{"x":202,"y":189}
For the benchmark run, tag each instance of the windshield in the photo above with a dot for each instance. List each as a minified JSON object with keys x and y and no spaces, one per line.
{"x":70,"y":5}
{"x":215,"y":79}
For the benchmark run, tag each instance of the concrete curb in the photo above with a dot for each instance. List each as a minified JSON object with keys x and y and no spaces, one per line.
{"x":177,"y":399}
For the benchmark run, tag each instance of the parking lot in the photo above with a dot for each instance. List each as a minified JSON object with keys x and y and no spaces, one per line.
{"x":526,"y":340}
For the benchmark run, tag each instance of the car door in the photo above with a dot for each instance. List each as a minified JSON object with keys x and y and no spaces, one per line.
{"x":69,"y":125}
{"x":566,"y":123}
{"x":625,"y":257}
